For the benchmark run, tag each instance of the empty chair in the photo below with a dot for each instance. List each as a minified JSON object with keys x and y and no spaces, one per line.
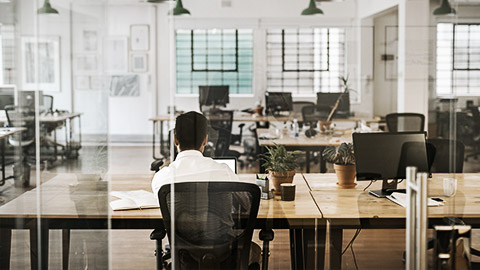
{"x":298,"y":106}
{"x":312,"y":114}
{"x":213,"y":223}
{"x":449,"y":156}
{"x":405,"y":122}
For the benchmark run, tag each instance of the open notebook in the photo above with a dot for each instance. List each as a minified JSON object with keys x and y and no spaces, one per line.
{"x":401,"y":199}
{"x":134,"y":199}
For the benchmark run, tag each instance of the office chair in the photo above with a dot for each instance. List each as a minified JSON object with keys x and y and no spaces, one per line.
{"x":222,"y":122}
{"x":404,"y":122}
{"x":22,"y":117}
{"x":47,"y":104}
{"x":312,"y":114}
{"x":212,"y":229}
{"x":297,"y":109}
{"x":444,"y":155}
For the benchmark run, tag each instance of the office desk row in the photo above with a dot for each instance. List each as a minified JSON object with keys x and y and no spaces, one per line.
{"x":238,"y":117}
{"x":70,"y":201}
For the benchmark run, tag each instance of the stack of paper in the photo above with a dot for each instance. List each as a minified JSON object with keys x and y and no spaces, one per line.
{"x":135,"y":199}
{"x":401,"y":199}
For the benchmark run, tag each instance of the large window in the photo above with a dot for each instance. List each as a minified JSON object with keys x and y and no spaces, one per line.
{"x":458,"y":59}
{"x":214,"y":57}
{"x":305,"y":60}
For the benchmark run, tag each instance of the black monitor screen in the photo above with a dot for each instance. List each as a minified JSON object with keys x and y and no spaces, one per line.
{"x":381,"y":156}
{"x":278,"y":101}
{"x":7,"y":97}
{"x":27,"y":99}
{"x":213,"y":95}
{"x":329,"y":99}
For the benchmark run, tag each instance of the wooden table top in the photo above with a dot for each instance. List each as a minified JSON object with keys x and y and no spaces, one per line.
{"x":85,"y":196}
{"x":50,"y":118}
{"x":302,"y":140}
{"x":337,"y":203}
{"x":5,"y":132}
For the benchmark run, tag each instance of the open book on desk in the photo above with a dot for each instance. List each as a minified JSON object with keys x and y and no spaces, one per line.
{"x":134,"y":199}
{"x":401,"y":199}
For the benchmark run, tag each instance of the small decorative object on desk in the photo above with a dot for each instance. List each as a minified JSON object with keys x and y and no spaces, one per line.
{"x":280,"y":164}
{"x":288,"y":192}
{"x":264,"y":185}
{"x":343,"y":161}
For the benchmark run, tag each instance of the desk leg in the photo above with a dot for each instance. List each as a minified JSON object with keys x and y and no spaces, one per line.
{"x":153,"y":139}
{"x":65,"y":248}
{"x":2,"y":142}
{"x":307,"y":251}
{"x":5,"y":248}
{"x":39,"y":247}
{"x":336,"y":239}
{"x":323,"y":164}
{"x":307,"y":160}
{"x":161,"y":139}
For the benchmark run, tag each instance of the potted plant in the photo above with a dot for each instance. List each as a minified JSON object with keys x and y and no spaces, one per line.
{"x":280,"y":165}
{"x":343,"y":161}
{"x":325,"y":125}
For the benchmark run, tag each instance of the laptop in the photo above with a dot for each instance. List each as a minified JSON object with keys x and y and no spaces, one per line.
{"x":230,"y":161}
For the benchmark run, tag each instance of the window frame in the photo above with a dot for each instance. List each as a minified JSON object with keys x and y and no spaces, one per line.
{"x":192,"y":49}
{"x":453,"y":48}
{"x":305,"y":70}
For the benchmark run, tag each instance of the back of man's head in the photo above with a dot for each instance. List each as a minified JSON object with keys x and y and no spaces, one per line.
{"x":191,"y":130}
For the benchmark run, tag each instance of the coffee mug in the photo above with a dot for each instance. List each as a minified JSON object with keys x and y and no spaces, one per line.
{"x":449,"y":186}
{"x":288,"y":191}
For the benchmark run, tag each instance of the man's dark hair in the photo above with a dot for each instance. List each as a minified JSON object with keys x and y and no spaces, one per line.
{"x":191,"y":129}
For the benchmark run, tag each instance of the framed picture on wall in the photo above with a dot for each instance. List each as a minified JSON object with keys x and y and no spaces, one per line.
{"x":139,"y":63}
{"x":125,"y":86}
{"x":40,"y":63}
{"x":116,"y":55}
{"x":86,"y":62}
{"x":90,"y":40}
{"x":139,"y":37}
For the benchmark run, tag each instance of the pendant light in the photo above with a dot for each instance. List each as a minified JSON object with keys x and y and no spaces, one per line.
{"x":179,"y":9}
{"x":444,"y":9}
{"x":312,"y":9}
{"x":47,"y":8}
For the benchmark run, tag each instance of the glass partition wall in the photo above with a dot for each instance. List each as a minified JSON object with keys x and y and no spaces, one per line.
{"x":91,"y":92}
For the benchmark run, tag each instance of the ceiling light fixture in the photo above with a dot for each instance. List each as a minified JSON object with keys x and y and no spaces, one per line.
{"x":445,"y":9}
{"x":312,"y":9}
{"x":179,"y":9}
{"x":47,"y":8}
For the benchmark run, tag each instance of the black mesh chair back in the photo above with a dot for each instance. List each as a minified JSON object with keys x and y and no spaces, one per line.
{"x":312,"y":114}
{"x":18,"y":116}
{"x":297,"y":107}
{"x":449,"y":156}
{"x":405,"y":122}
{"x":213,"y":223}
{"x":221,"y":119}
{"x":222,"y":144}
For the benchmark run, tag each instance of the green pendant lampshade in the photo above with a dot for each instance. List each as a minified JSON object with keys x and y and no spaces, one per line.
{"x":312,"y":9}
{"x":47,"y":8}
{"x":444,"y":9}
{"x":179,"y":9}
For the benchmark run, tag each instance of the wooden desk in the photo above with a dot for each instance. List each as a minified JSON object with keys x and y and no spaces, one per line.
{"x":355,"y":208}
{"x":64,"y":119}
{"x":70,"y":201}
{"x":303,"y":143}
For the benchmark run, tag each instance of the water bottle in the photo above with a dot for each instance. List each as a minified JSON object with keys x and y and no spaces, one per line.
{"x":295,"y":128}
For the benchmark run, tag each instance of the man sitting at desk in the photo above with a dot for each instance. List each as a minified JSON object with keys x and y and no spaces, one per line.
{"x":191,"y":166}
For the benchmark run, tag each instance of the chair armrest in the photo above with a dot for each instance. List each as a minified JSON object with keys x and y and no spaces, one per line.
{"x":158,"y":234}
{"x":155,"y":166}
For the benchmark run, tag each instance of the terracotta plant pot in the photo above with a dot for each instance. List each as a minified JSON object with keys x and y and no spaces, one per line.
{"x":280,"y":178}
{"x":324,"y":126}
{"x":345,"y":175}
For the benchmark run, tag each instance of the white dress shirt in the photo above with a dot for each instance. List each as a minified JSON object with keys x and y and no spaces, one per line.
{"x":192,"y":166}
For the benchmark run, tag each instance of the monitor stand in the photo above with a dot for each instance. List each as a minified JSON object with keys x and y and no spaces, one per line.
{"x":388,"y":187}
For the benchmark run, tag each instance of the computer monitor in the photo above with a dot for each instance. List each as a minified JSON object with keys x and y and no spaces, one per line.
{"x":230,"y":161}
{"x":27,"y":99}
{"x":213,"y":95}
{"x":7,"y":96}
{"x":276,"y":102}
{"x":329,"y":100}
{"x":385,"y":156}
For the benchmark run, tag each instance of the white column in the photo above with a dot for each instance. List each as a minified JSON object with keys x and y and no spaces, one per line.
{"x":413,"y":56}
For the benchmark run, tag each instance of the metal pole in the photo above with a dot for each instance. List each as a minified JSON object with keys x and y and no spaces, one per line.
{"x":411,"y":213}
{"x":422,"y":221}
